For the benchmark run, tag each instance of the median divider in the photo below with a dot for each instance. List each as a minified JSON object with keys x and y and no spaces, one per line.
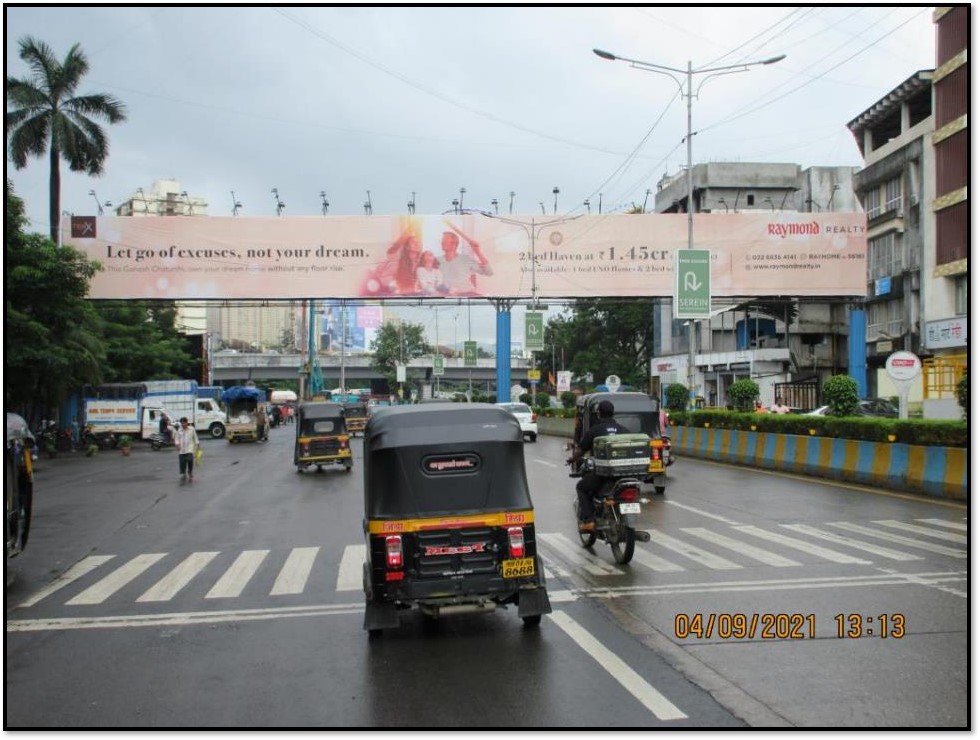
{"x":932,"y":470}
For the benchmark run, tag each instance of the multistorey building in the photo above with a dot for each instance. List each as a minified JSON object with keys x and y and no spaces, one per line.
{"x":791,"y":340}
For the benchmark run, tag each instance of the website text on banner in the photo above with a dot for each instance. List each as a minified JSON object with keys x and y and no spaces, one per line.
{"x":752,"y":254}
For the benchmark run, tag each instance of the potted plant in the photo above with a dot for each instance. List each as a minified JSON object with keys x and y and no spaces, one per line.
{"x":126,"y":444}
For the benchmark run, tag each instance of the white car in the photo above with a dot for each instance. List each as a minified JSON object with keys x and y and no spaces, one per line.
{"x":527,"y":418}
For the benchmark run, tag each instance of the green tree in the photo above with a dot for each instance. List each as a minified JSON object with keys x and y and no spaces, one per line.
{"x":602,"y":337}
{"x":142,"y":342}
{"x":398,"y":344}
{"x":743,"y":392}
{"x":53,"y":339}
{"x":841,"y":394}
{"x":45,"y":115}
{"x":677,"y":396}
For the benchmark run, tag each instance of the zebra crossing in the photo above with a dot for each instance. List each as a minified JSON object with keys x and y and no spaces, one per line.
{"x":150,"y":578}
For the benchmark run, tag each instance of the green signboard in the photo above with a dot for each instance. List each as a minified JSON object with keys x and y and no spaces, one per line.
{"x":692,"y":291}
{"x":469,"y":354}
{"x":437,"y":365}
{"x":533,"y":330}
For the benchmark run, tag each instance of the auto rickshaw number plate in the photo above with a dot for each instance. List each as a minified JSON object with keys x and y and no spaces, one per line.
{"x":518,"y":568}
{"x":632,"y":508}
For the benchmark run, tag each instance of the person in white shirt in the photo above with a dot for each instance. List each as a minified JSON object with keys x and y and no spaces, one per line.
{"x":428,"y":274}
{"x":779,"y":407}
{"x":185,"y":437}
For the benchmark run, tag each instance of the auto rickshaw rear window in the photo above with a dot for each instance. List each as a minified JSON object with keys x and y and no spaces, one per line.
{"x":321,"y":426}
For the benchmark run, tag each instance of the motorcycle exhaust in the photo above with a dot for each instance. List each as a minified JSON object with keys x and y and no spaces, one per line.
{"x":642,"y":536}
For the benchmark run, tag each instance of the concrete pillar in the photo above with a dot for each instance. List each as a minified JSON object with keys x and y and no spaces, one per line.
{"x":857,"y":351}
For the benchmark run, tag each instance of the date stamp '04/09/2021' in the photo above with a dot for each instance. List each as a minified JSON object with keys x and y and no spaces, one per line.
{"x":784,"y":626}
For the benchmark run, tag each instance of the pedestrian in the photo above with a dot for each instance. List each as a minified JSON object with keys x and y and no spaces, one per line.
{"x":185,"y":437}
{"x":261,"y":421}
{"x":760,"y":408}
{"x":779,"y":407}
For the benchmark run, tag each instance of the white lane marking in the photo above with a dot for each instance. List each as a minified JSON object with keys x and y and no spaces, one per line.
{"x":885,"y":552}
{"x":749,"y":551}
{"x":690,"y":551}
{"x":351,"y":571}
{"x":654,"y":562}
{"x":927,"y":531}
{"x":700,"y":511}
{"x":81,"y":568}
{"x":122,"y":575}
{"x":171,"y":584}
{"x":946,"y":589}
{"x":294,"y":574}
{"x":821,"y":552}
{"x":180,"y":619}
{"x":867,"y":531}
{"x":546,"y":462}
{"x":236,"y":578}
{"x":633,"y":682}
{"x":891,"y":578}
{"x":580,"y":556}
{"x":945,"y":523}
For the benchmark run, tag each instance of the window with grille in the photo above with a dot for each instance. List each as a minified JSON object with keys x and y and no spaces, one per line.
{"x":884,"y":256}
{"x":893,"y":194}
{"x":872,"y":203}
{"x":884,"y":320}
{"x":961,"y":296}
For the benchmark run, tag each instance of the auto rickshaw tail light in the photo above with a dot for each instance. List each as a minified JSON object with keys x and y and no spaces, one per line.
{"x":515,"y":541}
{"x":393,"y":552}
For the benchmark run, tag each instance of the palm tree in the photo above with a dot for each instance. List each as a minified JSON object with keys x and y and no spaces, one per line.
{"x":44,"y":115}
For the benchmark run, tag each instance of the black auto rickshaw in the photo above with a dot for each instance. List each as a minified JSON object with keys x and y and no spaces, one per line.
{"x":355,"y":415}
{"x":321,"y":436}
{"x":640,"y":414}
{"x":448,"y":516}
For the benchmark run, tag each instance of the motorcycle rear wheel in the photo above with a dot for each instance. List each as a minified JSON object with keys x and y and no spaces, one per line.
{"x":623,"y":547}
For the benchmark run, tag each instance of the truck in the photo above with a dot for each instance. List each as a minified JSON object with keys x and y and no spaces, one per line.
{"x":134,"y":409}
{"x":210,"y":391}
{"x":116,"y":409}
{"x":182,"y":398}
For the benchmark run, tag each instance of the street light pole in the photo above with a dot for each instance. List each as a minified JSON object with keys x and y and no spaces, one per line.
{"x":689,"y":74}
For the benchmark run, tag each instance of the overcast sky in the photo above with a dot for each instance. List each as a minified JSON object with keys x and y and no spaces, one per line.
{"x":498,"y":100}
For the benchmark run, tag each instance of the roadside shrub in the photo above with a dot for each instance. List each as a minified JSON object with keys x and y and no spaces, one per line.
{"x":743,"y":393}
{"x":676,"y":397}
{"x":962,"y":394}
{"x":542,"y":400}
{"x":840,"y":392}
{"x":568,"y":400}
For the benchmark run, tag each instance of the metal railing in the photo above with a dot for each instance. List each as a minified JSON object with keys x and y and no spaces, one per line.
{"x":941,"y":374}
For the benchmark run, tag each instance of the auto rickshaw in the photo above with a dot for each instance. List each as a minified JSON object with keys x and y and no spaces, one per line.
{"x":242,"y":403}
{"x":448,"y":517}
{"x":355,"y":415}
{"x":321,"y":436}
{"x":640,"y":414}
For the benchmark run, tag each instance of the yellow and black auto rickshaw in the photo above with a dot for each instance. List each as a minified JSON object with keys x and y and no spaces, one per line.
{"x":640,"y":414}
{"x":448,"y":516}
{"x":321,"y":436}
{"x":355,"y":416}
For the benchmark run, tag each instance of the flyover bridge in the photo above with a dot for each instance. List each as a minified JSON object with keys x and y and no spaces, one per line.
{"x":357,"y":370}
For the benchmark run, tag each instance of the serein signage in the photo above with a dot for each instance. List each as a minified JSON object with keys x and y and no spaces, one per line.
{"x":692,"y":291}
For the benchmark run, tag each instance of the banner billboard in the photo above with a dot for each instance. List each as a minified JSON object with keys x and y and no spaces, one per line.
{"x":365,"y":257}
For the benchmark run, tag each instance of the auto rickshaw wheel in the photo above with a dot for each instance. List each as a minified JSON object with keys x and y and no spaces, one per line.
{"x":660,"y":490}
{"x":533,"y":621}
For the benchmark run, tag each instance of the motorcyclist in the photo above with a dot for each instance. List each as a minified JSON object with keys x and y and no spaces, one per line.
{"x":590,"y":483}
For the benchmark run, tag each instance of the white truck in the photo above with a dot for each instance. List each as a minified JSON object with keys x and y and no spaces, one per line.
{"x":134,"y":409}
{"x":180,"y":398}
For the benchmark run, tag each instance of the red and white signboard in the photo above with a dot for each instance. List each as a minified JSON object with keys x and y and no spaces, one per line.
{"x":903,"y":366}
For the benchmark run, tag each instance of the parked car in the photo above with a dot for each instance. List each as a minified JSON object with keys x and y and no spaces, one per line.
{"x":871,"y":407}
{"x":527,"y":418}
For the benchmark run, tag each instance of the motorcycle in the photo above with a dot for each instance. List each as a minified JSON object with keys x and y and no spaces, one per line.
{"x":47,"y":438}
{"x":617,"y":504}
